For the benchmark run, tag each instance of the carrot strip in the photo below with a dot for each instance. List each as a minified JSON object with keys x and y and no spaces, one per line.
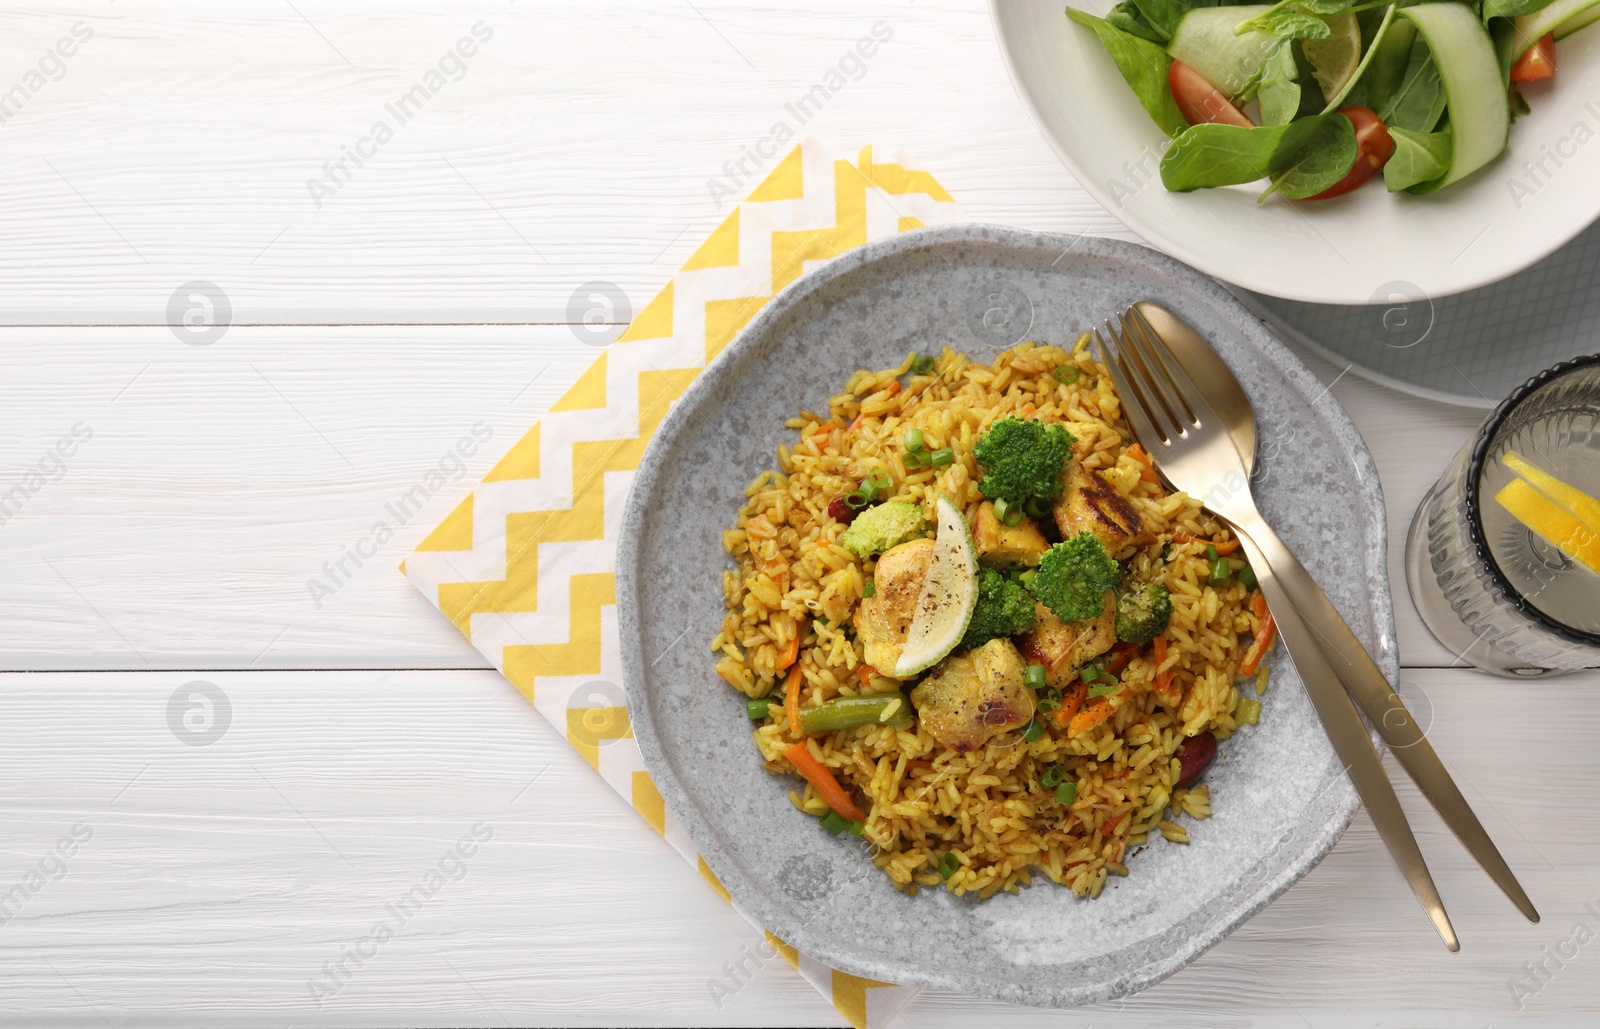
{"x":1263,"y":640}
{"x":893,"y":388}
{"x":791,"y":653}
{"x":1163,"y":680}
{"x":1072,"y":699}
{"x":865,"y":672}
{"x":827,"y":787}
{"x":1148,"y":471}
{"x":791,"y":700}
{"x":1096,"y":712}
{"x":1121,"y":654}
{"x":855,"y":423}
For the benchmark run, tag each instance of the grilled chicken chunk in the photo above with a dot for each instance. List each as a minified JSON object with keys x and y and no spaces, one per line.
{"x":973,"y":697}
{"x":883,"y":619}
{"x":1091,"y":504}
{"x":1006,"y":545}
{"x":1065,"y":647}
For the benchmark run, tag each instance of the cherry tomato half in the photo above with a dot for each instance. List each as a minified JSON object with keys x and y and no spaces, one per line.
{"x":1374,"y":146}
{"x":1200,"y":101}
{"x":1537,"y":62}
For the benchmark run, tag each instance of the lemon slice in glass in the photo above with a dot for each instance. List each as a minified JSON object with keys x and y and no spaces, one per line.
{"x":1334,"y":59}
{"x":949,"y":594}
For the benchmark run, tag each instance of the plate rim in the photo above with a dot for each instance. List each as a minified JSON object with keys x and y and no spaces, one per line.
{"x":748,"y":894}
{"x":1198,"y":259}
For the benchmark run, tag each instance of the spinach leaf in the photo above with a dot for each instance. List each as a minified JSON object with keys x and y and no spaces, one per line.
{"x":1321,"y":161}
{"x":1512,"y":8}
{"x":1225,"y":155}
{"x":1144,"y":65}
{"x":1418,"y":158}
{"x":1126,"y":17}
{"x":1287,"y":23}
{"x":1420,"y":100}
{"x":1279,"y":90}
{"x":1390,"y":57}
{"x":1164,"y":15}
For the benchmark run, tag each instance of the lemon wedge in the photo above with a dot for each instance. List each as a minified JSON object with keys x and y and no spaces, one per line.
{"x":949,"y":594}
{"x":1561,"y":514}
{"x":1334,"y":59}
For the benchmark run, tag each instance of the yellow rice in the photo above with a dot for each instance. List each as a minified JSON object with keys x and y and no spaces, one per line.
{"x":986,"y":806}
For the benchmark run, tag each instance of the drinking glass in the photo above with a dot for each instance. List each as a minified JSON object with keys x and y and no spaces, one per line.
{"x":1512,"y":599}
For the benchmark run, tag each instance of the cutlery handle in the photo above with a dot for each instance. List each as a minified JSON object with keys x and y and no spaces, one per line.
{"x":1366,"y":683}
{"x":1348,"y":734}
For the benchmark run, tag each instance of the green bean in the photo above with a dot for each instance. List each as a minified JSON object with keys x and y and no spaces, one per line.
{"x":848,"y":712}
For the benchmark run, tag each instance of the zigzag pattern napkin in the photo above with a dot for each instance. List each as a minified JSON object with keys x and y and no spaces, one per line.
{"x":524,"y":565}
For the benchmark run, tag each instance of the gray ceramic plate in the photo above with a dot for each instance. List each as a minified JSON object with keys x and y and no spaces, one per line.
{"x":1280,"y":797}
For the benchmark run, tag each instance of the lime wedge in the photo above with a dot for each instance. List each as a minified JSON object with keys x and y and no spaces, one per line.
{"x":1334,"y":59}
{"x":949,"y":594}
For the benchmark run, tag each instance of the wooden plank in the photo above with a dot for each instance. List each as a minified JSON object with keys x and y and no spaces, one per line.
{"x":223,"y":876}
{"x":574,"y":144}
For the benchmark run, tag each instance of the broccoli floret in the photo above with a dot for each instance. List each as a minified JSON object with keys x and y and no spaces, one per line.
{"x":1074,"y":576}
{"x":883,"y":528}
{"x":1142,"y":613}
{"x":1005,"y":608}
{"x":1022,"y":461}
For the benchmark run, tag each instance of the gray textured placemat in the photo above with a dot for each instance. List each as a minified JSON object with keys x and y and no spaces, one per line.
{"x":1472,"y":348}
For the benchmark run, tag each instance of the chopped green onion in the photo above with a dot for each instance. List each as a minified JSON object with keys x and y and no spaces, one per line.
{"x":948,"y":864}
{"x":1050,"y":778}
{"x":1027,"y":577}
{"x":1247,"y":576}
{"x":1220,"y":571}
{"x":914,"y":459}
{"x":835,"y":823}
{"x":1036,"y":507}
{"x":1247,"y":711}
{"x":878,"y":479}
{"x":1050,"y":701}
{"x":914,"y":440}
{"x":1094,"y":673}
{"x":858,"y":500}
{"x":1066,"y":793}
{"x":1034,"y":732}
{"x":855,"y":828}
{"x":1006,"y":513}
{"x":922,"y":364}
{"x":756,"y":709}
{"x":849,"y":712}
{"x":1066,"y":374}
{"x":1102,"y":689}
{"x":1034,"y":678}
{"x":1166,"y":552}
{"x":942,"y":457}
{"x":1211,"y":552}
{"x":868,"y":588}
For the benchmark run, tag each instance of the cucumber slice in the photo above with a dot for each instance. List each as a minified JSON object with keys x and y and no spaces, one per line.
{"x":1205,"y":41}
{"x":1480,"y":117}
{"x":1563,"y":17}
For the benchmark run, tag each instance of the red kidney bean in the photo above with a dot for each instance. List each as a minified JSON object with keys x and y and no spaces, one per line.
{"x":1194,"y":754}
{"x":841,"y":512}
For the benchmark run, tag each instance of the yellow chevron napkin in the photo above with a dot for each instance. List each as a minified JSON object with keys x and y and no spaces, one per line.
{"x":523,"y":566}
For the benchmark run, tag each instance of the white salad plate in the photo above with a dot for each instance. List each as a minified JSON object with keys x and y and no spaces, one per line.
{"x":1352,"y":250}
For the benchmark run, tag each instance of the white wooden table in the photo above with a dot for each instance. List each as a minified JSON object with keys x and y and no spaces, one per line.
{"x":425,"y":296}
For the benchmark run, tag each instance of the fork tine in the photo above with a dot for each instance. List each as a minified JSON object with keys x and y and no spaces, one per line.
{"x":1156,"y":390}
{"x":1198,"y":407}
{"x":1133,"y":405}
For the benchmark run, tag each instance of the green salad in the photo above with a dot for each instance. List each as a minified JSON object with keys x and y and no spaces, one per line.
{"x":1318,"y":96}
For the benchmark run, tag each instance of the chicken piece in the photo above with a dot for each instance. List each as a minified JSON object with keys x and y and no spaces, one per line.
{"x":1065,"y":647}
{"x":883,"y":619}
{"x":974,"y":697}
{"x":1006,"y":545}
{"x":1091,"y":504}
